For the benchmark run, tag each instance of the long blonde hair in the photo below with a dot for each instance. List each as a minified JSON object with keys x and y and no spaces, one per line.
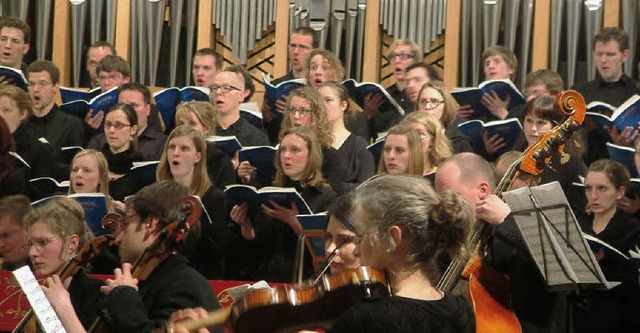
{"x":441,"y":149}
{"x":103,"y":170}
{"x":200,"y":182}
{"x":416,"y":157}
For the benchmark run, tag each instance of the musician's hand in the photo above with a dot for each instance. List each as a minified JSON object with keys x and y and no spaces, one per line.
{"x":5,"y":81}
{"x":94,"y":121}
{"x":492,"y":210}
{"x":246,"y":171}
{"x":465,"y":111}
{"x":623,"y":139}
{"x":496,"y":106}
{"x":286,"y":215}
{"x":57,"y":294}
{"x":179,"y":316}
{"x":372,"y":103}
{"x":122,"y":277}
{"x":629,"y":205}
{"x":492,"y":144}
{"x":119,"y":205}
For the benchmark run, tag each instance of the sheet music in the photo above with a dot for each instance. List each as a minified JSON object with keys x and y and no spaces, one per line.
{"x":561,"y":253}
{"x":39,"y":303}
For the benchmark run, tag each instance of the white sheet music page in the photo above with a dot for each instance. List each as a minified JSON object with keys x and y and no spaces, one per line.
{"x":39,"y":303}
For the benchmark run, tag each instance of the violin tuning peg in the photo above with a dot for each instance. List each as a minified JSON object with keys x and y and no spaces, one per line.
{"x":558,"y":139}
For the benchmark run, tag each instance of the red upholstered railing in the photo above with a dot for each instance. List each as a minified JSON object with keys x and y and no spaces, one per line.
{"x":14,"y":304}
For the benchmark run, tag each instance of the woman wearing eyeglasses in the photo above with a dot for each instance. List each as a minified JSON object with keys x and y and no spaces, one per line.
{"x":184,"y":160}
{"x":402,"y":225}
{"x":402,"y":152}
{"x":435,"y":99}
{"x":271,"y":234}
{"x":57,"y":231}
{"x":435,"y":145}
{"x":120,"y":129}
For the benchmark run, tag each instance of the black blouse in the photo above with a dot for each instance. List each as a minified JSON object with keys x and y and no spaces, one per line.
{"x":359,"y":161}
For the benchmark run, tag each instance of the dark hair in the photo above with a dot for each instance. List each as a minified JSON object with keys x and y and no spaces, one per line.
{"x":128,"y":110}
{"x":431,"y":72}
{"x":341,"y":210}
{"x":139,"y":87}
{"x":550,"y":79}
{"x":217,"y":59}
{"x":14,"y":22}
{"x":612,"y":34}
{"x":248,"y":80}
{"x":307,"y":31}
{"x":45,"y":66}
{"x":7,"y":144}
{"x":103,"y":44}
{"x":162,"y":200}
{"x":114,"y":63}
{"x":432,"y":223}
{"x":542,"y":107}
{"x":617,"y":173}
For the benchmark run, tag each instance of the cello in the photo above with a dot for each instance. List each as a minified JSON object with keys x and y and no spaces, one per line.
{"x":489,"y":290}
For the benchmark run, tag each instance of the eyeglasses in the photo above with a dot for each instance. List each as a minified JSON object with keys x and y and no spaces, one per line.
{"x":401,"y":56}
{"x":114,"y":222}
{"x":40,"y":243}
{"x":117,"y":125}
{"x":429,"y":103}
{"x":225,"y":88}
{"x":39,"y":83}
{"x":302,"y":112}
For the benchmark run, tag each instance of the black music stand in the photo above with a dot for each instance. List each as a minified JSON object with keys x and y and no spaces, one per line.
{"x":554,"y":239}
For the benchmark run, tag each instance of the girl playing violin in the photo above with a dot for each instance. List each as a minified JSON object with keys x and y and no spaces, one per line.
{"x":401,"y":227}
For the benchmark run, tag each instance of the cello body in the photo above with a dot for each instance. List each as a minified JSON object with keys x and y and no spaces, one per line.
{"x":490,"y":290}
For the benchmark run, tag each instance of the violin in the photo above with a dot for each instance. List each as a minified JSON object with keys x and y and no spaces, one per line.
{"x":166,"y":243}
{"x":82,"y":259}
{"x":316,"y":305}
{"x":488,"y":288}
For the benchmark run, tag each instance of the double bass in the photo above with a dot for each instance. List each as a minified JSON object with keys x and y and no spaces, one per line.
{"x":489,"y":289}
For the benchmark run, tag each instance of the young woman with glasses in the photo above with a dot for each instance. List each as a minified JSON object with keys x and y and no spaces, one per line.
{"x":57,"y":231}
{"x":120,"y":129}
{"x":435,"y":99}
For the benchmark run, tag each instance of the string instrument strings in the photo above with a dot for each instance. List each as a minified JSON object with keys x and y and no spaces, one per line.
{"x":329,"y":260}
{"x":165,"y":244}
{"x":298,"y":307}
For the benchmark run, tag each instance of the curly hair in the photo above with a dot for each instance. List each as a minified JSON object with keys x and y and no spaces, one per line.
{"x":319,"y":123}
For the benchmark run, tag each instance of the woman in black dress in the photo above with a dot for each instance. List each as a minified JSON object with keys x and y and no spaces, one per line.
{"x":184,"y":160}
{"x":352,"y":148}
{"x":402,"y":225}
{"x":614,"y":310}
{"x":271,"y":233}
